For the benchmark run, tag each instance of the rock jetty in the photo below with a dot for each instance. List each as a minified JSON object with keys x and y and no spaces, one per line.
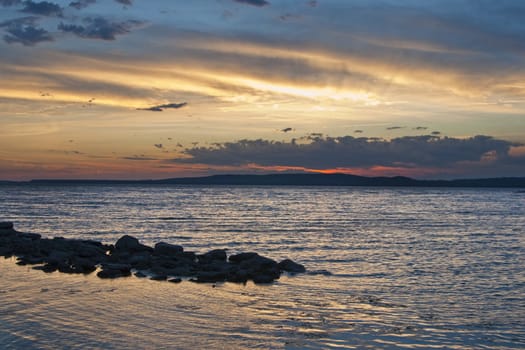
{"x":128,"y":256}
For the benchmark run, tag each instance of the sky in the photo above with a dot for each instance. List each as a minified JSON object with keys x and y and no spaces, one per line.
{"x":136,"y":89}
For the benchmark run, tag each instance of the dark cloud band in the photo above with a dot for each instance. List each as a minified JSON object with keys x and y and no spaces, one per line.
{"x":335,"y":152}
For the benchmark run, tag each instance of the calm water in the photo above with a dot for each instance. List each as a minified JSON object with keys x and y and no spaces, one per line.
{"x":412,"y":268}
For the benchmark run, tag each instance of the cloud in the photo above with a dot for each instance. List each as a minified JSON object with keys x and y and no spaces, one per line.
{"x":23,"y":31}
{"x":81,"y":4}
{"x":435,"y":133}
{"x":29,"y":20}
{"x":161,"y":108}
{"x":358,"y":131}
{"x":288,"y":16}
{"x":395,"y":127}
{"x":99,"y":28}
{"x":312,"y":3}
{"x":286,"y":130}
{"x":258,"y":3}
{"x":7,"y":3}
{"x":43,"y":8}
{"x":347,"y":152}
{"x":125,"y":2}
{"x":138,"y":158}
{"x":420,"y":128}
{"x":159,"y":145}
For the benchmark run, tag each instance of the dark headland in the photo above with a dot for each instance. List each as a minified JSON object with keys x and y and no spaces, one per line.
{"x":310,"y":180}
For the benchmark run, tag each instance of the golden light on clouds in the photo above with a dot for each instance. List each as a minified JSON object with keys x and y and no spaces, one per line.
{"x":259,"y":76}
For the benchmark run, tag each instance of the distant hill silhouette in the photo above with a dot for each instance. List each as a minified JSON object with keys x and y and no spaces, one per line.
{"x":310,"y":180}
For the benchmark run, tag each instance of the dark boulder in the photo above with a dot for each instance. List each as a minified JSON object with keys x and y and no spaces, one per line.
{"x":291,"y":266}
{"x":140,"y":274}
{"x":163,"y":248}
{"x":83,"y":265}
{"x":131,"y":244}
{"x":237,"y":276}
{"x":175,"y":280}
{"x":29,"y":236}
{"x":114,"y":270}
{"x":263,"y":278}
{"x":46,"y":268}
{"x":6,"y":225}
{"x":213,"y":255}
{"x":210,"y":276}
{"x":110,"y":273}
{"x":159,"y":277}
{"x":140,"y":260}
{"x":238,"y":258}
{"x":58,"y":257}
{"x":261,"y":269}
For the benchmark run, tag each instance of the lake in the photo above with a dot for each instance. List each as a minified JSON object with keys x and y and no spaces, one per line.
{"x":410,"y":268}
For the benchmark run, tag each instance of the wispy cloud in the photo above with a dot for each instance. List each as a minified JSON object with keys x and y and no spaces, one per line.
{"x":395,"y":127}
{"x":99,"y":28}
{"x":258,"y":3}
{"x":161,"y":108}
{"x":81,"y":4}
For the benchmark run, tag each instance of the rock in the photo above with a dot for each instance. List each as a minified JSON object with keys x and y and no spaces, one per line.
{"x":31,"y":260}
{"x":46,"y":268}
{"x":263,"y":279}
{"x":116,"y":266}
{"x":175,"y":280}
{"x":211,"y":276}
{"x":183,"y":271}
{"x":238,"y":258}
{"x":259,"y":263}
{"x":261,"y":269}
{"x":141,"y":260}
{"x":84,"y":265}
{"x":6,"y":251}
{"x":163,"y":261}
{"x":291,"y":266}
{"x":87,"y":250}
{"x":57,"y":257}
{"x":158,"y":277}
{"x":109,"y":273}
{"x":6,"y":225}
{"x":163,"y":248}
{"x":131,"y":244}
{"x":216,"y":254}
{"x":237,"y":276}
{"x":140,"y":274}
{"x":30,"y":236}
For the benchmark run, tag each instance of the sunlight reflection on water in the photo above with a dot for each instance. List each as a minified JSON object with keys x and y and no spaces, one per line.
{"x":412,"y":268}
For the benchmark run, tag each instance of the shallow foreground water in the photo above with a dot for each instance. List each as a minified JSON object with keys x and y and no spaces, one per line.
{"x":412,"y":268}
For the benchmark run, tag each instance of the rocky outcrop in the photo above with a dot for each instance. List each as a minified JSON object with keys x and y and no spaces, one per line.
{"x":163,"y":262}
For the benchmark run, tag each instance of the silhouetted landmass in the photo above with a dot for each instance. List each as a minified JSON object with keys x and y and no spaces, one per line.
{"x":309,"y":180}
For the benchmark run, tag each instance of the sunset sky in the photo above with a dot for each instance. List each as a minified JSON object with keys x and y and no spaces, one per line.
{"x":136,"y":89}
